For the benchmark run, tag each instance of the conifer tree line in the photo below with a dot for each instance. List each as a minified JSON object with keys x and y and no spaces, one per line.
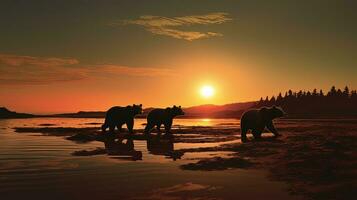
{"x":335,"y":102}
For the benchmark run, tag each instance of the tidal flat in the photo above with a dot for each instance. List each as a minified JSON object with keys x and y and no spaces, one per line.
{"x":204,"y":159}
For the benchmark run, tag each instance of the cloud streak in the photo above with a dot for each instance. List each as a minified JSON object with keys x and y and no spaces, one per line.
{"x":131,"y":71}
{"x":15,"y":60}
{"x":28,"y":70}
{"x":168,"y":26}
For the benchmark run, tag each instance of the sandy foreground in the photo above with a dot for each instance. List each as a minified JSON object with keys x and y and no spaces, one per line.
{"x":316,"y":158}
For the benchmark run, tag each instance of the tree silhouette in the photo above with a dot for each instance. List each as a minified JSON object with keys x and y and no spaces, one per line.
{"x":314,"y":92}
{"x":346,"y":92}
{"x":272,"y":100}
{"x":336,"y":103}
{"x":266,"y":100}
{"x":321,"y":93}
{"x":332,"y":92}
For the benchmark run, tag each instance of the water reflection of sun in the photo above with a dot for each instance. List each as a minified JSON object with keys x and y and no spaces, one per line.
{"x":206,"y":122}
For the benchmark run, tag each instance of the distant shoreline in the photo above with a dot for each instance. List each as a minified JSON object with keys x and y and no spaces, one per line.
{"x":327,"y":118}
{"x":228,"y":111}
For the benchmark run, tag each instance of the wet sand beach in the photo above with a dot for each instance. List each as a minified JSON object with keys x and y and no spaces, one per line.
{"x":314,"y":159}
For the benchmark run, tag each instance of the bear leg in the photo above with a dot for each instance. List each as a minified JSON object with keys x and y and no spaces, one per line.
{"x":158,"y":126}
{"x":111,"y":128}
{"x":257,"y":133}
{"x":168,"y":127}
{"x":119,"y":127}
{"x":243,"y":134}
{"x":272,"y":129}
{"x":130,"y":126}
{"x":148,"y":128}
{"x":104,"y":127}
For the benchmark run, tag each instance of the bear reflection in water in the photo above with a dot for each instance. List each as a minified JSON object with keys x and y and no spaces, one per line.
{"x":121,"y":148}
{"x":163,"y":146}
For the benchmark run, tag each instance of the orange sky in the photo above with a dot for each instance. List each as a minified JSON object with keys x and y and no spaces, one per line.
{"x":99,"y":54}
{"x":234,"y":80}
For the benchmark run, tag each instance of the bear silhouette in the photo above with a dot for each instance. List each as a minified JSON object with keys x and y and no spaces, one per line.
{"x":257,"y":119}
{"x":160,"y":116}
{"x":117,"y":116}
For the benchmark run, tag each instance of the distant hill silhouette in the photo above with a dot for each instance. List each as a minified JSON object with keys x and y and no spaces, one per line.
{"x":336,"y":103}
{"x":214,"y":111}
{"x":315,"y":104}
{"x":82,"y":114}
{"x":7,"y":114}
{"x":218,"y":111}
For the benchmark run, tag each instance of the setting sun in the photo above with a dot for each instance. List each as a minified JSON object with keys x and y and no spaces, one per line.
{"x":207,"y":91}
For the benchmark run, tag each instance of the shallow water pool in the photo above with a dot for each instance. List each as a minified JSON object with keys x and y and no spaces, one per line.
{"x":44,"y":167}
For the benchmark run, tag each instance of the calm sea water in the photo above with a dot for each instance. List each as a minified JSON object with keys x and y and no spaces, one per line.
{"x":33,"y":166}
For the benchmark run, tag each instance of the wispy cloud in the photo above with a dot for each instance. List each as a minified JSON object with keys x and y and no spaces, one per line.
{"x":28,"y":70}
{"x":131,"y":71}
{"x":15,"y":60}
{"x":168,"y":26}
{"x":17,"y":70}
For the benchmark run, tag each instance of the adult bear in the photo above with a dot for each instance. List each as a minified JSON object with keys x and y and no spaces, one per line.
{"x":160,"y":116}
{"x":117,"y":116}
{"x":256,"y":120}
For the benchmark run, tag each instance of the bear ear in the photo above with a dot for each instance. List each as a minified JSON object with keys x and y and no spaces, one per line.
{"x":263,"y":109}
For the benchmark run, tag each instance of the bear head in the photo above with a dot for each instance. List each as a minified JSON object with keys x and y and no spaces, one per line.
{"x":176,"y":110}
{"x":137,"y":109}
{"x":276,"y":112}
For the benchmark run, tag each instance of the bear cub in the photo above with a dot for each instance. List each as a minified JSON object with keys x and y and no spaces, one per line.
{"x":257,"y":119}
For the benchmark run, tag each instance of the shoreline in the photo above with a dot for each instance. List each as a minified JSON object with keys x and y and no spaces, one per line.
{"x":316,"y":158}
